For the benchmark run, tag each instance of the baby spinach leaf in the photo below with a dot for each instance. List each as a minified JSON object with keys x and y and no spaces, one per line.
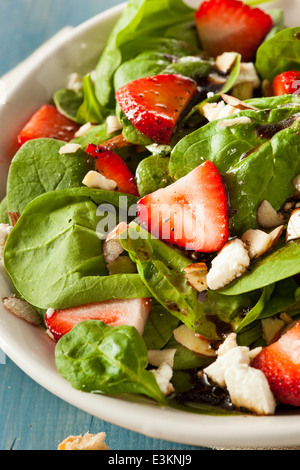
{"x":257,"y":310}
{"x":153,"y":173}
{"x":97,"y":358}
{"x":95,"y":135}
{"x":140,"y":23}
{"x":190,"y":66}
{"x":278,"y":54}
{"x":280,"y":264}
{"x":38,"y":168}
{"x":54,"y":253}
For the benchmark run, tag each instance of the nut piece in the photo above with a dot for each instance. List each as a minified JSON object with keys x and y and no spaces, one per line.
{"x":113,"y":125}
{"x":97,"y":181}
{"x":267,"y":216}
{"x":86,"y":442}
{"x":193,"y":341}
{"x":196,"y":275}
{"x":258,"y":243}
{"x":84,"y":129}
{"x":236,"y":103}
{"x":225,"y":61}
{"x":22,"y":309}
{"x":293,"y":226}
{"x":235,"y":122}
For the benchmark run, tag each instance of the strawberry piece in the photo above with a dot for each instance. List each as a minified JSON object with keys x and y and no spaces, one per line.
{"x":230,"y":25}
{"x":48,"y":122}
{"x":114,"y":168}
{"x":132,"y":312}
{"x":287,"y":83}
{"x":155,"y":104}
{"x":280,"y":362}
{"x":191,"y":213}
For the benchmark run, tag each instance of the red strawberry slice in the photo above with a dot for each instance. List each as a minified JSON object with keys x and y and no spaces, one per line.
{"x":132,"y":312}
{"x":48,"y":122}
{"x":155,"y":104}
{"x":287,"y":83}
{"x":280,"y":362}
{"x":191,"y":213}
{"x":114,"y":168}
{"x":230,"y":25}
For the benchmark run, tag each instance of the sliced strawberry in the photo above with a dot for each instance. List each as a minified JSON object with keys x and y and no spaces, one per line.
{"x":230,"y":25}
{"x":154,"y":104}
{"x":280,"y":362}
{"x":48,"y":122}
{"x":287,"y":83}
{"x":191,"y":213}
{"x":114,"y":168}
{"x":132,"y":312}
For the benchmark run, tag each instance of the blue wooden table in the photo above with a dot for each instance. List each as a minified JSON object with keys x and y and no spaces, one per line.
{"x":31,"y":418}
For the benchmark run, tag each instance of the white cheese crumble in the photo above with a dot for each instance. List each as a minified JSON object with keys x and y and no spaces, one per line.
{"x":231,"y":262}
{"x":163,"y":377}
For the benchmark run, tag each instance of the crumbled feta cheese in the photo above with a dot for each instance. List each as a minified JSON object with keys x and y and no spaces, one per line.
{"x":213,"y":111}
{"x":163,"y":377}
{"x":156,"y":357}
{"x":235,"y":122}
{"x":97,"y":181}
{"x":231,"y":358}
{"x":248,"y":388}
{"x":69,"y":148}
{"x":231,"y":262}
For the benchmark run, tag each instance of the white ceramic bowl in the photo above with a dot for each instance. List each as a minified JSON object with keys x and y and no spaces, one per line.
{"x":33,"y":351}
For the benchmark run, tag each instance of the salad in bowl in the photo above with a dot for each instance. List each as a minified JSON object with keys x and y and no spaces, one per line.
{"x":151,"y":222}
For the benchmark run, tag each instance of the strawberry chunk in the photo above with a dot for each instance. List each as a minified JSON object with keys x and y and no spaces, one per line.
{"x":230,"y":25}
{"x":48,"y":122}
{"x":155,"y":104}
{"x":191,"y":213}
{"x":132,"y":312}
{"x":280,"y":362}
{"x":111,"y":165}
{"x":287,"y":83}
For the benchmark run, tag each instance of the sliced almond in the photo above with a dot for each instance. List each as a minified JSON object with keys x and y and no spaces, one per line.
{"x":96,"y":180}
{"x":196,"y":275}
{"x":236,"y":102}
{"x":272,"y":329}
{"x":22,"y":309}
{"x":216,"y":79}
{"x":157,"y":357}
{"x":226,"y":61}
{"x":69,"y":148}
{"x":267,"y":216}
{"x":293,"y":226}
{"x":113,"y":125}
{"x":193,"y":341}
{"x":112,"y":247}
{"x":84,"y":129}
{"x":296,"y":183}
{"x":276,"y":234}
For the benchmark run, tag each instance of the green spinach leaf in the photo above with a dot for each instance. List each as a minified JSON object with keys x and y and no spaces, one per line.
{"x":38,"y":168}
{"x":4,"y":218}
{"x":278,"y":54}
{"x":97,"y":358}
{"x":153,"y":173}
{"x":54,"y":254}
